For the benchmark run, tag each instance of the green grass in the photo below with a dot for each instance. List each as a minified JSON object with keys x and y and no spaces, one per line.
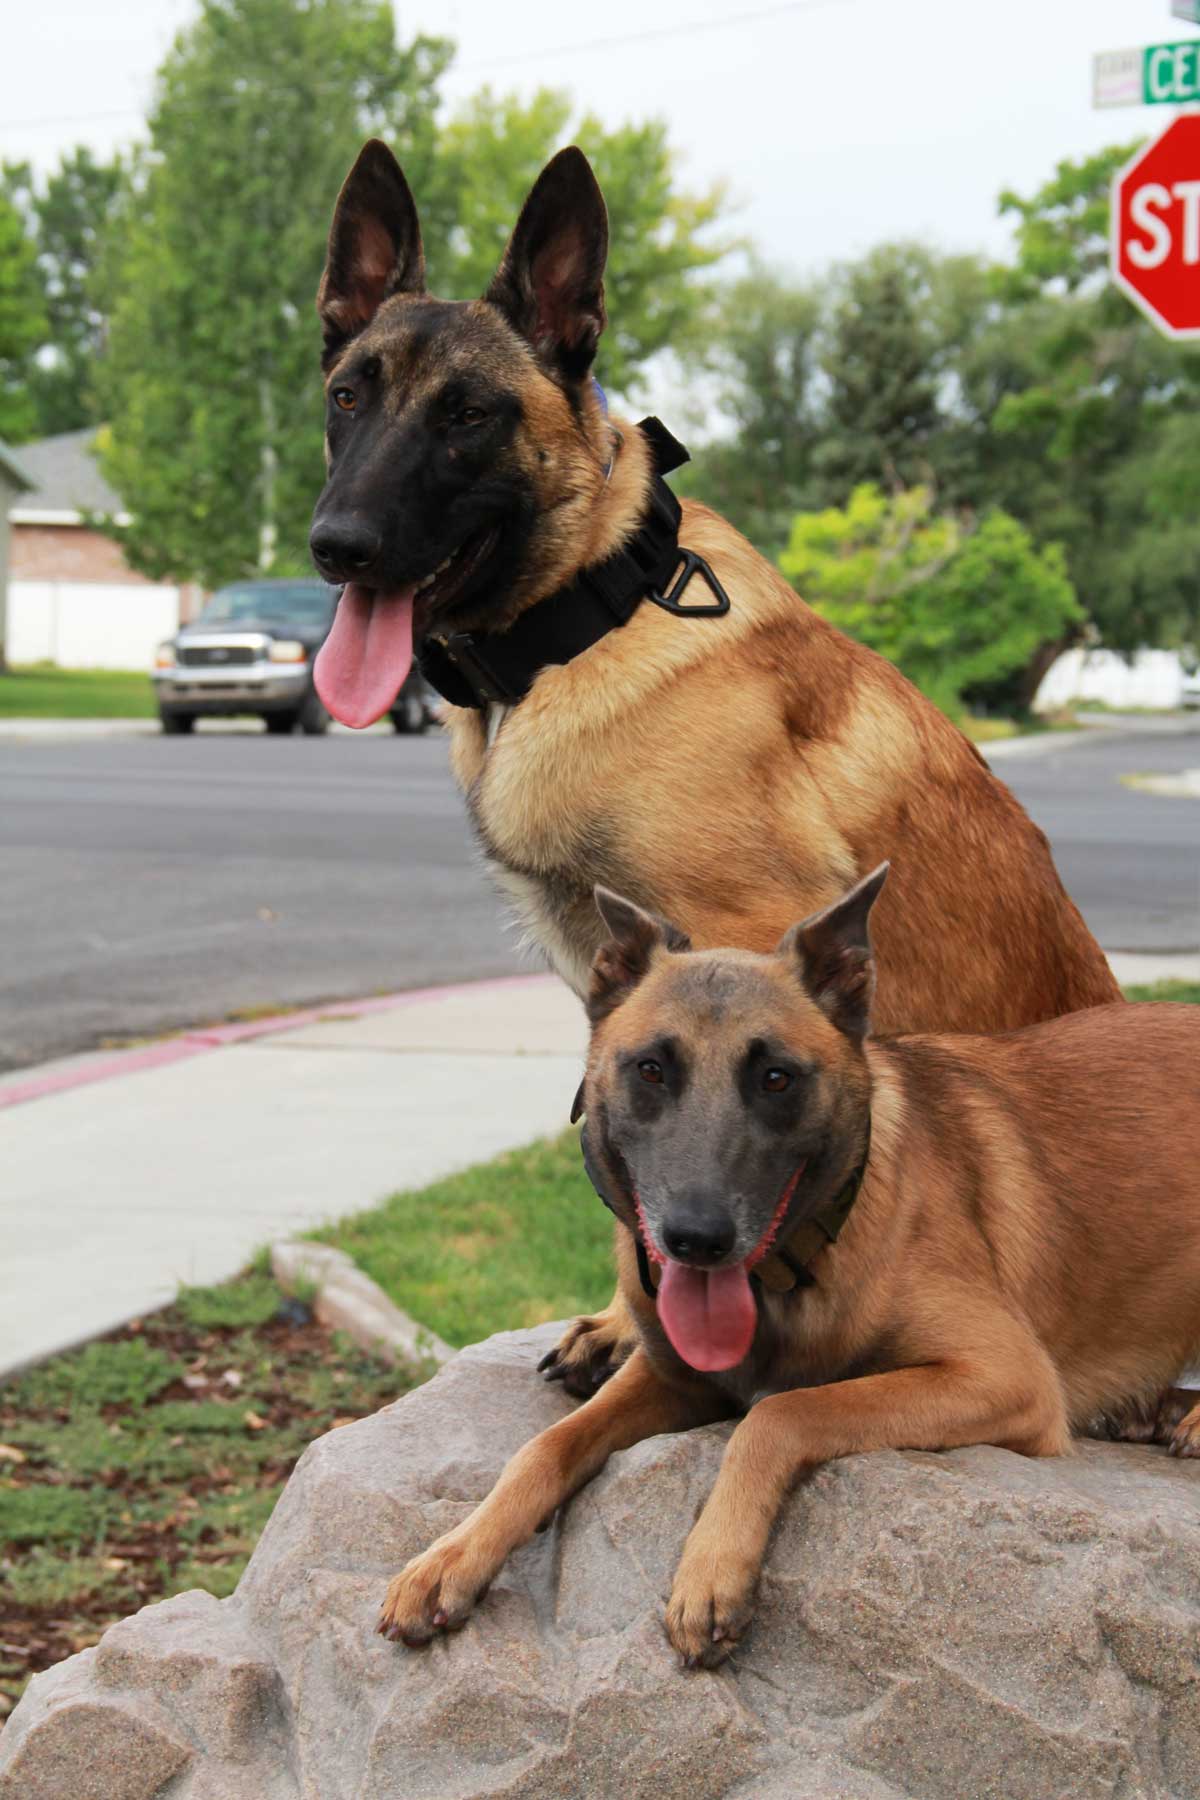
{"x":148,"y":1462}
{"x":1187,"y":991}
{"x":42,"y":691}
{"x":988,"y":731}
{"x":251,"y":1301}
{"x":509,"y":1243}
{"x":127,"y":1373}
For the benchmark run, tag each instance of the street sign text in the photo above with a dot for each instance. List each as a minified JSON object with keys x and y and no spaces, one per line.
{"x":1159,"y":75}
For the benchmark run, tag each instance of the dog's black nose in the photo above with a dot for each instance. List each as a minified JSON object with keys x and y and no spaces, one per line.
{"x":343,"y":547}
{"x":699,"y":1237}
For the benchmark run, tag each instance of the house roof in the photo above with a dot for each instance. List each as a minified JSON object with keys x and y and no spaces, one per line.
{"x":17,"y":474}
{"x":65,"y":480}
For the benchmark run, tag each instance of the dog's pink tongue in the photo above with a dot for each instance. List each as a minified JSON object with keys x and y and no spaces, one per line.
{"x":708,"y":1314}
{"x":361,"y":666}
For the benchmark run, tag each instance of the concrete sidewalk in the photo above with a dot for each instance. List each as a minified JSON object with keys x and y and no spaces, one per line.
{"x":125,"y":1175}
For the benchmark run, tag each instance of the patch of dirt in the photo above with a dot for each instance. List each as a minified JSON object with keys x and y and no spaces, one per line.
{"x":148,"y":1462}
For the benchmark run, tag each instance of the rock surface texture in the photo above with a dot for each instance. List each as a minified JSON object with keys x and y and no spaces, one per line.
{"x":941,"y":1627}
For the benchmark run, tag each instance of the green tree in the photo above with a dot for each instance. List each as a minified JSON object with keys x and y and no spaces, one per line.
{"x":210,"y":382}
{"x":757,"y":364}
{"x":67,"y":217}
{"x":488,"y":157}
{"x":820,"y":387}
{"x":1083,"y":418}
{"x":22,"y":326}
{"x":897,"y":320}
{"x":963,"y":611}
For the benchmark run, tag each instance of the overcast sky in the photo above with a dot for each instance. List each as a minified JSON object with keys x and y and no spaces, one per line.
{"x":835,"y":122}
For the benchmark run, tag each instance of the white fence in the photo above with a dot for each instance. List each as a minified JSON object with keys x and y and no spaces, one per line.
{"x":89,"y":625}
{"x":1154,"y":678}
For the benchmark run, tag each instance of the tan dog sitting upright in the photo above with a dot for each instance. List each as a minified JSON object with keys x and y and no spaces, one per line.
{"x":859,"y":1245}
{"x":732,"y":772}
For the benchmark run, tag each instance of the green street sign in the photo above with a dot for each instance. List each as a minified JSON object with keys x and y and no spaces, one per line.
{"x":1159,"y":75}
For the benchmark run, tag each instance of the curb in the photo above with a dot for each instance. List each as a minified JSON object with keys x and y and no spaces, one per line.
{"x":348,"y":1300}
{"x":218,"y":1037}
{"x":1043,"y":743}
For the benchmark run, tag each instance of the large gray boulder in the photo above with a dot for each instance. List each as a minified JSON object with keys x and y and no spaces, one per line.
{"x":945,"y":1627}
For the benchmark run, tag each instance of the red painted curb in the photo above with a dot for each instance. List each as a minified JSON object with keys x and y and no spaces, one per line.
{"x":218,"y":1037}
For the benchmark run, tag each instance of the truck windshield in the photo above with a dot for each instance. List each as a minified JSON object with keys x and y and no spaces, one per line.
{"x":299,"y":603}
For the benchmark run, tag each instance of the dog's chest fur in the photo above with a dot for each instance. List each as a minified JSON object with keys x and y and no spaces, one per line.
{"x":546,"y":844}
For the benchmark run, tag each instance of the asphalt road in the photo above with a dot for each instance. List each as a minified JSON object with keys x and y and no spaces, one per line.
{"x":1130,"y":860}
{"x":150,"y":883}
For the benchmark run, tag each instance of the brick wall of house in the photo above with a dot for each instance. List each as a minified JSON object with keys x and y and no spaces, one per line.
{"x":67,"y":553}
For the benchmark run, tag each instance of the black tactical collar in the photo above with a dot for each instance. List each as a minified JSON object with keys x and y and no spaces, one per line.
{"x":479,"y":668}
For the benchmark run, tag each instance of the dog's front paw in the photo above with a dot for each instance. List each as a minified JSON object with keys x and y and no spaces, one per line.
{"x":711,"y":1604}
{"x":589,"y":1351}
{"x":1185,"y":1438}
{"x":436,"y":1592}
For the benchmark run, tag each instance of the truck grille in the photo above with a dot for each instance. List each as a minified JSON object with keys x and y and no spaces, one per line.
{"x":199,"y":656}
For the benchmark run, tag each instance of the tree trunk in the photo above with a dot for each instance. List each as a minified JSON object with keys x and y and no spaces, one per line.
{"x":1031,"y":676}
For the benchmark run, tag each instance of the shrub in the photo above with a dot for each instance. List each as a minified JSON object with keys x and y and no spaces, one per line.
{"x":954,"y":606}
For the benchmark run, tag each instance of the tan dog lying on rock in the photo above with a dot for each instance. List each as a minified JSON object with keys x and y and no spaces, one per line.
{"x":859,"y":1245}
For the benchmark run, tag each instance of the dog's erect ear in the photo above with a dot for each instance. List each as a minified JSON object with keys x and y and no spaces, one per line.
{"x":374,"y":246}
{"x":550,"y":283}
{"x":833,"y":949}
{"x":622,"y":962}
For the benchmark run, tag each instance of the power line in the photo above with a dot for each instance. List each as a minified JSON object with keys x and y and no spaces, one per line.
{"x":757,"y":15}
{"x":655,"y":32}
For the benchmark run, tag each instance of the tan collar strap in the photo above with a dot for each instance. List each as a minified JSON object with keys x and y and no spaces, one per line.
{"x":787,"y":1265}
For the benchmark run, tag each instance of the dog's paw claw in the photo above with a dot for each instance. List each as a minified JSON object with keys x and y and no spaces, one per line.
{"x":435,"y":1593}
{"x":708,"y":1613}
{"x":587,"y":1354}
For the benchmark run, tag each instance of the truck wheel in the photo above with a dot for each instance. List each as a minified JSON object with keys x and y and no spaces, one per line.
{"x":409,"y":718}
{"x":176,"y":724}
{"x":314,"y":720}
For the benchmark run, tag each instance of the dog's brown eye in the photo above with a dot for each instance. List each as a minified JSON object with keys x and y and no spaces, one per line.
{"x":472,"y":415}
{"x":344,"y":397}
{"x":650,"y":1071}
{"x":776,"y":1080}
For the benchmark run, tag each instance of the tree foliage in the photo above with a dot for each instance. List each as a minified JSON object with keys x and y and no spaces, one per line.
{"x":68,"y":218}
{"x":1033,"y":390}
{"x":960,"y":609}
{"x":758,"y":358}
{"x":22,"y":326}
{"x":210,"y":383}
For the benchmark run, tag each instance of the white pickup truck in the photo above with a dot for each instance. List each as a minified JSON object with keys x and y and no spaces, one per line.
{"x":251,"y":651}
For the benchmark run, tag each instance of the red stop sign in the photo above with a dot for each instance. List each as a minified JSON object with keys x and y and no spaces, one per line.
{"x":1155,"y":248}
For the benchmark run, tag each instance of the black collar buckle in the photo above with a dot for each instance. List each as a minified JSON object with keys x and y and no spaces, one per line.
{"x":670,"y":602}
{"x":485,"y":682}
